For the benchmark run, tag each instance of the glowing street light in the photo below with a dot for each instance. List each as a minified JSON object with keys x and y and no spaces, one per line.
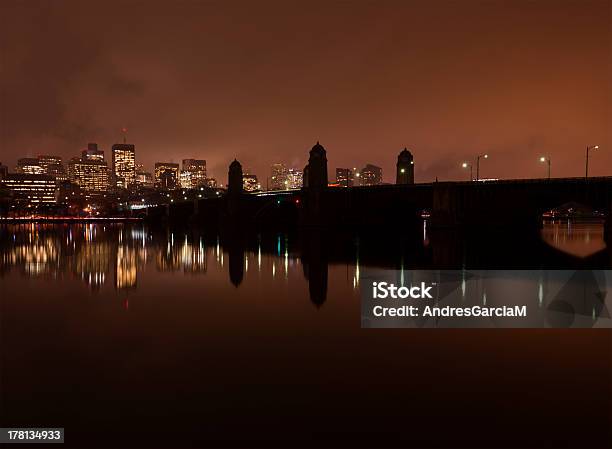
{"x":547,"y":160}
{"x":466,"y":165}
{"x":485,"y":156}
{"x":586,"y":171}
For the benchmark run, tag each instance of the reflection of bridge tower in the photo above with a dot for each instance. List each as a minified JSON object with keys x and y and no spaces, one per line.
{"x":405,"y":168}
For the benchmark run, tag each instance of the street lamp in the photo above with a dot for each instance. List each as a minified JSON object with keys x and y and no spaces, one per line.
{"x":586,"y":171}
{"x":485,"y":156}
{"x":466,"y":165}
{"x":546,"y":159}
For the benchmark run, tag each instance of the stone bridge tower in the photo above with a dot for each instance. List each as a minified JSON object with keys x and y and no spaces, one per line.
{"x":317,"y":167}
{"x":234,"y":178}
{"x":405,"y":168}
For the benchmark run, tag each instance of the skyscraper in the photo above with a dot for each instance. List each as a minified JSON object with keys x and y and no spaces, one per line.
{"x":278,"y":178}
{"x":124,"y":165}
{"x":295,"y":179}
{"x":250,"y":183}
{"x":91,"y":175}
{"x":195,"y":170}
{"x":344,"y":177}
{"x":52,"y":165}
{"x":166,"y":175}
{"x":371,"y":175}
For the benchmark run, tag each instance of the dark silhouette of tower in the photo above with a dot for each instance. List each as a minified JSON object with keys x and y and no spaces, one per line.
{"x":317,"y":167}
{"x":236,"y":259}
{"x":234,"y":177}
{"x":405,"y":168}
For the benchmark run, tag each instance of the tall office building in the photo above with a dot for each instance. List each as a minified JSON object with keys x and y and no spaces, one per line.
{"x":90,"y":175}
{"x":370,"y":175}
{"x":124,"y":165}
{"x":278,"y":178}
{"x":29,"y":166}
{"x":166,"y":175}
{"x":295,"y":178}
{"x":250,"y":183}
{"x":143,"y":177}
{"x":344,"y":177}
{"x":31,"y":189}
{"x":92,"y":153}
{"x":52,"y":165}
{"x":195,"y":173}
{"x":3,"y":171}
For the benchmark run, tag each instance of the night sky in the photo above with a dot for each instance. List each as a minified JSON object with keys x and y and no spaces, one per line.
{"x":263,"y":81}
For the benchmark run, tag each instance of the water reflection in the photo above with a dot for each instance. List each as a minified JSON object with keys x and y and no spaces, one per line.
{"x":99,"y":253}
{"x":577,"y":238}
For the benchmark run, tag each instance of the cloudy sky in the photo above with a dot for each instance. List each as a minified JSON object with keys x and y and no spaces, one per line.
{"x":262,"y":81}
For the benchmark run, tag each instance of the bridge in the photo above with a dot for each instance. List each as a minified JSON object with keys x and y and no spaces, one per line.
{"x":454,"y":205}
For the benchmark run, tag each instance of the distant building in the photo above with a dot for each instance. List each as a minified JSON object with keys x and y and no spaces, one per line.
{"x":278,"y":178}
{"x":3,"y":171}
{"x":124,"y":165}
{"x":92,"y":153}
{"x":31,"y":189}
{"x":29,"y":166}
{"x":52,"y":165}
{"x":196,"y":173}
{"x":370,"y":175}
{"x":295,"y":179}
{"x":144,"y":178}
{"x":344,"y":177}
{"x":185,"y":179}
{"x":90,"y":175}
{"x":211,"y":182}
{"x":250,"y":183}
{"x":166,"y":175}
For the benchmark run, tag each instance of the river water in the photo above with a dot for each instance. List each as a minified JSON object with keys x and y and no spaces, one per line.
{"x":127,"y":335}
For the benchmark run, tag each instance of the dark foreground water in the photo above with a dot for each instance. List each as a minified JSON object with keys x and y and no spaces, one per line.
{"x":133,"y":336}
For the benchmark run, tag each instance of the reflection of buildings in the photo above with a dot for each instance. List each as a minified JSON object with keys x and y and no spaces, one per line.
{"x":185,"y":256}
{"x":90,"y":252}
{"x":126,"y":268}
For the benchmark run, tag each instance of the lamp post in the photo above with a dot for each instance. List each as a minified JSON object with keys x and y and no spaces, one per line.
{"x":588,"y":148}
{"x":547,"y":160}
{"x":466,"y":165}
{"x":485,"y":156}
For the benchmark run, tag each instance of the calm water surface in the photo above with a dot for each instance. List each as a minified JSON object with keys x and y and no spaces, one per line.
{"x":133,"y":336}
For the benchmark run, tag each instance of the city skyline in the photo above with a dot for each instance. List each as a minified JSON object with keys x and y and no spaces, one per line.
{"x":222,"y":84}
